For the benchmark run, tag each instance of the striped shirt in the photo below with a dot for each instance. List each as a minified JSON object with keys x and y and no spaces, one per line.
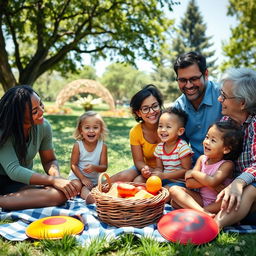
{"x":246,"y":162}
{"x":172,"y":161}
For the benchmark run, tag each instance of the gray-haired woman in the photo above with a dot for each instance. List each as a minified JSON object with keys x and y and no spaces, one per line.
{"x":238,"y":99}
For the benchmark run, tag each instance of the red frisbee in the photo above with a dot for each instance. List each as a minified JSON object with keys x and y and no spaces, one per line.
{"x":188,"y":226}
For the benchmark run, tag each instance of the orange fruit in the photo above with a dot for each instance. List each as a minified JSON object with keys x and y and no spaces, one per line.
{"x":153,"y":184}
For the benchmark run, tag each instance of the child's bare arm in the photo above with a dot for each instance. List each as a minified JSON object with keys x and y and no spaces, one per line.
{"x":186,"y":164}
{"x":190,"y":181}
{"x":224,"y":171}
{"x":75,"y":160}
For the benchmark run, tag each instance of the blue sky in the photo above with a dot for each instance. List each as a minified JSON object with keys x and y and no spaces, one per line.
{"x":218,"y":24}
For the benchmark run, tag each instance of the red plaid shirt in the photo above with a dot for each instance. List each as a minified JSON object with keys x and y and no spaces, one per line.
{"x":246,"y":162}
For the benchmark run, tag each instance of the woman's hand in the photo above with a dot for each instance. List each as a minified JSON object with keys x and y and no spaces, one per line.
{"x":231,"y":195}
{"x":68,"y":187}
{"x":146,"y":172}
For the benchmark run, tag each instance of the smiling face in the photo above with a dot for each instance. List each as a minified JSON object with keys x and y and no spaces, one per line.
{"x":194,"y":91}
{"x":169,"y":127}
{"x":90,"y":129}
{"x":231,"y":106}
{"x":153,"y":115}
{"x":214,"y":144}
{"x":37,"y":111}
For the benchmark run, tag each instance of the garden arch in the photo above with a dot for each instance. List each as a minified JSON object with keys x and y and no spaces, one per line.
{"x":85,"y":86}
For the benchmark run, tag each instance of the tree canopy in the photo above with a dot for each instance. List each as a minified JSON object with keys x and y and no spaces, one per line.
{"x":123,"y":80}
{"x":190,"y":35}
{"x":41,"y":35}
{"x":241,"y":48}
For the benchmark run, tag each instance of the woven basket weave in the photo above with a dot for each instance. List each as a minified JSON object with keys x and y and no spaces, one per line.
{"x":122,"y":212}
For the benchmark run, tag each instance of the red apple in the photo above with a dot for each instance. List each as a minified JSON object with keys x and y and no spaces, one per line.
{"x":126,"y":190}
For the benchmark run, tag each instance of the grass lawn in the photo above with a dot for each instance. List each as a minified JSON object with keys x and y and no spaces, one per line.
{"x":119,"y":158}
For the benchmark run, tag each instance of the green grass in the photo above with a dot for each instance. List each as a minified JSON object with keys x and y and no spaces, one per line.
{"x":119,"y":156}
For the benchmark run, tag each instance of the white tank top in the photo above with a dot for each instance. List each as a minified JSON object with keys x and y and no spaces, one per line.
{"x":86,"y":158}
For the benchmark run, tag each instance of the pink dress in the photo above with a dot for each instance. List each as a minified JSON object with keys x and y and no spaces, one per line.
{"x":208,"y":194}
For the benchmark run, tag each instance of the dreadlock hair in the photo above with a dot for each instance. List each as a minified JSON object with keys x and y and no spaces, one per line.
{"x":12,"y":111}
{"x":232,"y":137}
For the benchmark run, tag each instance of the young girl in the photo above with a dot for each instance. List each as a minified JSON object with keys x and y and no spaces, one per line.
{"x":173,"y":155}
{"x":89,"y":154}
{"x":212,"y":171}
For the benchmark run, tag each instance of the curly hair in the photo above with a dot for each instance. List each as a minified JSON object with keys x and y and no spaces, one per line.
{"x":232,"y":138}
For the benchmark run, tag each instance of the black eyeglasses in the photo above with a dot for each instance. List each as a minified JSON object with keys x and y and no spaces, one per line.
{"x":146,"y":109}
{"x":192,"y":80}
{"x":225,"y":97}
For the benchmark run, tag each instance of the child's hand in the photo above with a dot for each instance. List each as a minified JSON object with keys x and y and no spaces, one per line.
{"x":146,"y":172}
{"x":158,"y":174}
{"x":188,"y":174}
{"x":86,"y":182}
{"x":89,"y":168}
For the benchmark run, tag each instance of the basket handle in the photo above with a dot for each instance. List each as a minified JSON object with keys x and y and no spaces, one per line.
{"x":100,"y":181}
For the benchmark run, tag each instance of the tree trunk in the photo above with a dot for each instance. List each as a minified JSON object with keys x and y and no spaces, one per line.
{"x":7,"y":78}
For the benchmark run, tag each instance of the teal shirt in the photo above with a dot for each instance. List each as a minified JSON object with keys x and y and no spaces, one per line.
{"x":40,"y":138}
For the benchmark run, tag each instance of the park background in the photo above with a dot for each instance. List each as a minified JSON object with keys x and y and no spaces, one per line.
{"x":203,"y":25}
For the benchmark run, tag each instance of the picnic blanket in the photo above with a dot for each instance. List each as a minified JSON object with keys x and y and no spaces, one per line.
{"x":15,"y":231}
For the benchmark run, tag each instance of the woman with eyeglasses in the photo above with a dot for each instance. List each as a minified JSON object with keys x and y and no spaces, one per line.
{"x":238,"y":99}
{"x":146,"y":107}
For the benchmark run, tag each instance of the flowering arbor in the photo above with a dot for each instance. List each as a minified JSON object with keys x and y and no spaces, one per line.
{"x":85,"y":86}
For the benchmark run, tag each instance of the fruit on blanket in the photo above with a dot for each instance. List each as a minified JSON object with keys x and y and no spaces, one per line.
{"x":143,"y":194}
{"x":153,"y":184}
{"x":126,"y":190}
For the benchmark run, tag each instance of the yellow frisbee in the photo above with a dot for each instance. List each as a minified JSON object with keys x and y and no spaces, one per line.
{"x":54,"y":227}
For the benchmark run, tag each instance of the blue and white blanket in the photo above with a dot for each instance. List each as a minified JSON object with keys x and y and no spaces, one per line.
{"x":15,"y":231}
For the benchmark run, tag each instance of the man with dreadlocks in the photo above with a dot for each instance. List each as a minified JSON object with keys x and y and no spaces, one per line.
{"x":23,"y":133}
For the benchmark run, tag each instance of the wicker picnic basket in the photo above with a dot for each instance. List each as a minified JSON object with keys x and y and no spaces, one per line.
{"x":122,"y":212}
